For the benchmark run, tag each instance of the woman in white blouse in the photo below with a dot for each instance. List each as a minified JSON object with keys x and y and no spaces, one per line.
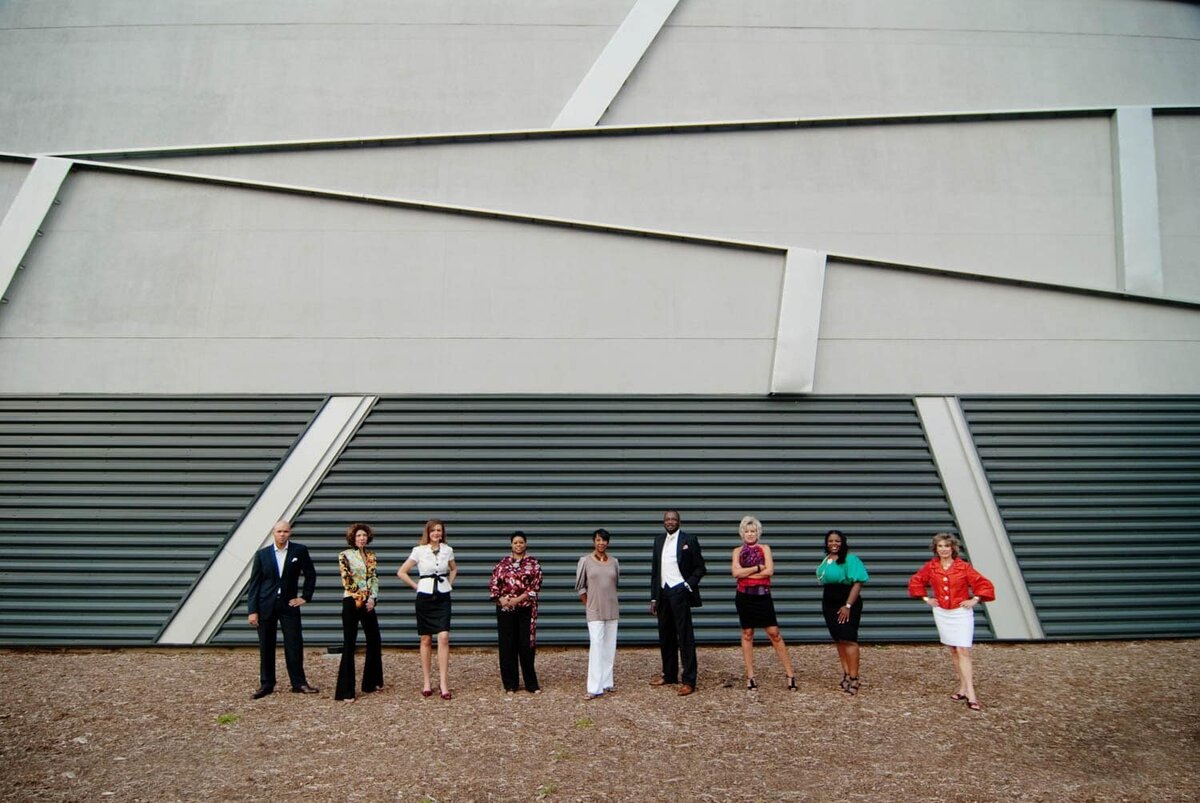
{"x":436,"y":570}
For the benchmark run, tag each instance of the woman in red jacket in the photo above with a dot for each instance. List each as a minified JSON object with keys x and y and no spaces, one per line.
{"x":955,"y":588}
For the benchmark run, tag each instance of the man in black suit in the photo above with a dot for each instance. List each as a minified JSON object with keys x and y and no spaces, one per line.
{"x":676,"y":568}
{"x":272,"y":597}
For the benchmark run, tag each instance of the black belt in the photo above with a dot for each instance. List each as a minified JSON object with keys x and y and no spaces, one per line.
{"x":437,"y":578}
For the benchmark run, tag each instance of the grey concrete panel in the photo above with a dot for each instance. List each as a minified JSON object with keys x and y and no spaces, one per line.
{"x":149,"y":285}
{"x":1177,"y":146}
{"x":88,"y":75}
{"x":1028,"y":199}
{"x":891,"y":331}
{"x":716,"y":60}
{"x":12,"y":176}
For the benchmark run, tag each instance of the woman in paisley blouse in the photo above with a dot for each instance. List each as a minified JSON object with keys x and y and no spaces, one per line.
{"x":516,"y":581}
{"x":842,"y":576}
{"x":753,"y":566}
{"x":360,"y":585}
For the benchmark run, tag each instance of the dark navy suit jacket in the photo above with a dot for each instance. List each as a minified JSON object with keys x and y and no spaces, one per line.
{"x":691,"y":566}
{"x":266,"y":582}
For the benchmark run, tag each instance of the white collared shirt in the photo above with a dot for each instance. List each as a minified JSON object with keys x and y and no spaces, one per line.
{"x":432,"y":564}
{"x":670,"y":561}
{"x":280,"y":558}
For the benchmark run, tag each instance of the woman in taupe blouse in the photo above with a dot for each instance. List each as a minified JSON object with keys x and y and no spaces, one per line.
{"x":596,"y":578}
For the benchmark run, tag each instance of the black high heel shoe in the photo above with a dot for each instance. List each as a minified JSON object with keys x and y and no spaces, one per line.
{"x":791,"y":683}
{"x":852,"y":686}
{"x":845,"y":684}
{"x":751,"y":685}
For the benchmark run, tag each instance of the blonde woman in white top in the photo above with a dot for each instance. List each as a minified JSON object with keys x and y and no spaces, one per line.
{"x":436,"y":570}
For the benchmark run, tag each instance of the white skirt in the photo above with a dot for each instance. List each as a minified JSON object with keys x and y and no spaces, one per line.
{"x":956,"y":627}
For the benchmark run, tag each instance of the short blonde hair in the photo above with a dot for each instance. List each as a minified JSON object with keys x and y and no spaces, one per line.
{"x":750,"y":523}
{"x":955,"y":544}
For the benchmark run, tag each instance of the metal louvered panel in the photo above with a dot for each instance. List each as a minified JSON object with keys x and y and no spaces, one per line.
{"x":110,"y":507}
{"x":1101,"y":499}
{"x":557,"y":468}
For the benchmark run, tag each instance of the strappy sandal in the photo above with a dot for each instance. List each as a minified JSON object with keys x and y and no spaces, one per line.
{"x":845,"y":684}
{"x":852,"y":686}
{"x":791,"y":682}
{"x":751,"y":685}
{"x":959,"y":698}
{"x":974,"y":705}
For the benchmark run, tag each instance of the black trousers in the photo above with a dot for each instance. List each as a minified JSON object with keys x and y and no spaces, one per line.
{"x":287,"y":617}
{"x":676,"y":638}
{"x":352,"y":617}
{"x":513,"y":636}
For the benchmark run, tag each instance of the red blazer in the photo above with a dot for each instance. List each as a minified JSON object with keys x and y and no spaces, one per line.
{"x":953,"y":586}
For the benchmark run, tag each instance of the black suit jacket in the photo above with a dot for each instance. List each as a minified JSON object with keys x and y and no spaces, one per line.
{"x":265,"y":581}
{"x":691,"y":565}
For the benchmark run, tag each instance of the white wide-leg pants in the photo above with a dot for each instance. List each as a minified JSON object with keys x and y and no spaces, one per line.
{"x":601,"y":654}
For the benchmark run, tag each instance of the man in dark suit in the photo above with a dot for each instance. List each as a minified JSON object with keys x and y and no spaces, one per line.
{"x":274,"y":597}
{"x":676,"y":568}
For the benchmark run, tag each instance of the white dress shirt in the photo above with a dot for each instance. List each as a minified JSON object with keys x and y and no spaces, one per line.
{"x":670,"y":561}
{"x":280,"y":558}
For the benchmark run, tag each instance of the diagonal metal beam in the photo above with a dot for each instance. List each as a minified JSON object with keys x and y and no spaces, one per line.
{"x":1135,"y":193}
{"x":24,"y":219}
{"x":208,"y":604}
{"x":615,"y":64}
{"x":795,"y":366}
{"x":1013,"y":615}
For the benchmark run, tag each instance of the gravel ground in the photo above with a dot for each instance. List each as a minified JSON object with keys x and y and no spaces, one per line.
{"x":1085,"y":721}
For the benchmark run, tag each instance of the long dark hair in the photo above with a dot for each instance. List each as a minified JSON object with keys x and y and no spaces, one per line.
{"x":843,"y":550}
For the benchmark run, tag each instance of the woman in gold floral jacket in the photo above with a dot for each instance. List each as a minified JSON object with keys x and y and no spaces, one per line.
{"x":361,"y":586}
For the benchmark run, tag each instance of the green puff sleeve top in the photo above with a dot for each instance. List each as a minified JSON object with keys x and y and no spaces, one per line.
{"x":848,"y":573}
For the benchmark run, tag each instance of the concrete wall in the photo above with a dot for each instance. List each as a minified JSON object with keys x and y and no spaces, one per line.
{"x":719,"y":60}
{"x":891,"y":331}
{"x":1022,"y":198}
{"x":122,"y":73}
{"x":1177,"y":149}
{"x":156,"y":286}
{"x":119,"y":74}
{"x":12,"y":174}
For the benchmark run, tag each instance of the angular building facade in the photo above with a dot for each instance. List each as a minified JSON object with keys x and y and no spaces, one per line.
{"x":889,"y":267}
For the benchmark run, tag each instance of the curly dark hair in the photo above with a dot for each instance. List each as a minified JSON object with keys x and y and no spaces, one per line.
{"x":353,"y":529}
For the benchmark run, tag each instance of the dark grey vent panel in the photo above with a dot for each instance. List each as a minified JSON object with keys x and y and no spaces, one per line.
{"x":1101,"y":499}
{"x":110,"y":507}
{"x":559,"y":467}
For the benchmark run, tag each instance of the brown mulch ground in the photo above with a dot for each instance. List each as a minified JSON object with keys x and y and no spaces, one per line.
{"x":1088,"y":721}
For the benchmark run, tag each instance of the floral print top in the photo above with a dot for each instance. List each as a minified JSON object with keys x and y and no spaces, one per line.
{"x":359,"y":578}
{"x":512,"y":578}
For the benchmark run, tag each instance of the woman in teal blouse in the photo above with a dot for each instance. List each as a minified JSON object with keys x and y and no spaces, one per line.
{"x":843,"y":576}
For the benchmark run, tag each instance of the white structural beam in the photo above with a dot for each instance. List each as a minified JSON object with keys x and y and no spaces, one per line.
{"x":615,"y":64}
{"x":24,"y":218}
{"x":1012,"y":615}
{"x":1135,"y":193}
{"x":795,"y":364}
{"x":217,"y":590}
